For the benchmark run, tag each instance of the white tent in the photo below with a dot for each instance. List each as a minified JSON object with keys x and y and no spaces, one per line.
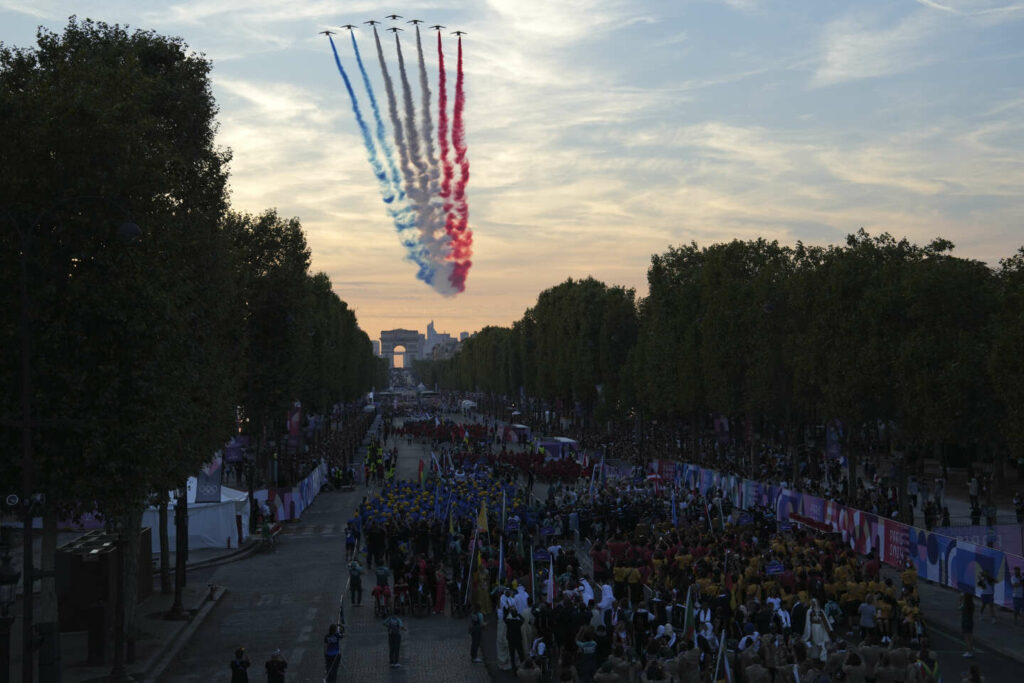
{"x":210,"y":525}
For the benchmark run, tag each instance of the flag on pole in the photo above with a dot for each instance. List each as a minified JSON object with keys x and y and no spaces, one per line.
{"x":690,"y":618}
{"x":722,"y":660}
{"x":481,"y":518}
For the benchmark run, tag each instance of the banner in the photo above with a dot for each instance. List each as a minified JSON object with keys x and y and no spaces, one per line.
{"x":208,"y":481}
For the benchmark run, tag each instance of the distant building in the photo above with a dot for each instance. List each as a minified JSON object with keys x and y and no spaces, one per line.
{"x":463,"y":336}
{"x":376,"y":347}
{"x":434,"y":339}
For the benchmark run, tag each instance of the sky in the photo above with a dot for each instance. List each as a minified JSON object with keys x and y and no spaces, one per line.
{"x":602,"y":132}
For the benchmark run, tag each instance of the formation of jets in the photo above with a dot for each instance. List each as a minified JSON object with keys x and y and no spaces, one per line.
{"x":394,"y":29}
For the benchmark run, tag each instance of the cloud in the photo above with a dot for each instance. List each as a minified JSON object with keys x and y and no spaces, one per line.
{"x":856,"y":48}
{"x":974,"y":7}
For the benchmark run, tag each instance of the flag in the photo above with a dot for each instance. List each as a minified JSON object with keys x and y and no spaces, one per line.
{"x":722,"y":660}
{"x":721,"y":515}
{"x":421,"y":472}
{"x":434,"y":461}
{"x":690,"y":618}
{"x":481,"y":518}
{"x":675,"y":519}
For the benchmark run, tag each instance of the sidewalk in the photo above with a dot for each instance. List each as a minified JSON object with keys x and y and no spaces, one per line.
{"x":156,"y":635}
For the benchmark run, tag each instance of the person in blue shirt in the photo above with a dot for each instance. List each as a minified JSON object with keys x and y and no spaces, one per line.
{"x":332,"y":653}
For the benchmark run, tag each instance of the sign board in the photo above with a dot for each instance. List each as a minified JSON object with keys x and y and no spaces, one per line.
{"x":773,"y":568}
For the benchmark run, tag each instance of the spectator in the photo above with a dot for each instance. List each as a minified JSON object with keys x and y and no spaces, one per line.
{"x":240,"y":667}
{"x":276,"y":667}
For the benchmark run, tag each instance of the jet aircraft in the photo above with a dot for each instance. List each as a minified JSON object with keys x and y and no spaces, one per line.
{"x":371,"y":22}
{"x":395,"y":29}
{"x":349,"y":26}
{"x":327,"y":33}
{"x":458,"y":33}
{"x":438,"y":27}
{"x":392,"y":17}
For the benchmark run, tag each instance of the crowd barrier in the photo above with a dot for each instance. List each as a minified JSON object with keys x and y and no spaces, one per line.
{"x":953,"y":562}
{"x":289,"y":503}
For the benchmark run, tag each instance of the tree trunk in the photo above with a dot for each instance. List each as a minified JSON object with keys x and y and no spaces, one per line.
{"x":130,"y":579}
{"x":48,"y":624}
{"x":165,"y":548}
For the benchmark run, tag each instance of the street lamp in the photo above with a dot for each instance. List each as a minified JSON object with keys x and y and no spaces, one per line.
{"x":128,"y":232}
{"x":8,"y":588}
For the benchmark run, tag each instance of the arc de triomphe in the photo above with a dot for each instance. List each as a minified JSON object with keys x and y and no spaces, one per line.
{"x":410,"y":340}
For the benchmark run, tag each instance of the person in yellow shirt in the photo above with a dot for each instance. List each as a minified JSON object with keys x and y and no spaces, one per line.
{"x":633,"y":582}
{"x":619,"y":574}
{"x":909,"y":577}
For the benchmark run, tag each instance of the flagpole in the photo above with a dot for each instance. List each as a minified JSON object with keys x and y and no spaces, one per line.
{"x":533,"y":574}
{"x":469,"y":569}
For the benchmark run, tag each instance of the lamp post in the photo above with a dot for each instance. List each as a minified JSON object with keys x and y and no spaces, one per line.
{"x":8,"y":586}
{"x":180,"y":551}
{"x":127,"y":232}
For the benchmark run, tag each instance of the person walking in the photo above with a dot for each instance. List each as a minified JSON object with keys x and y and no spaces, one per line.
{"x":477,"y":622}
{"x":355,"y":582}
{"x":1017,"y":589}
{"x":987,"y":584}
{"x":276,"y":666}
{"x":332,"y":654}
{"x":240,"y":667}
{"x":967,"y":622}
{"x":514,"y":635}
{"x":394,"y":628}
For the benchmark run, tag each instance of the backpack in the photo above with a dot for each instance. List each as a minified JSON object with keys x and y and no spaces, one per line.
{"x":394,"y":626}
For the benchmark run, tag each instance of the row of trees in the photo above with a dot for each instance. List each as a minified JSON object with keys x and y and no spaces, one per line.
{"x":873,"y":331}
{"x":148,"y":315}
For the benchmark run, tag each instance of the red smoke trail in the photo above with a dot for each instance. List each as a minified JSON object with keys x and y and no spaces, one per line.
{"x":442,"y":128}
{"x":457,"y":225}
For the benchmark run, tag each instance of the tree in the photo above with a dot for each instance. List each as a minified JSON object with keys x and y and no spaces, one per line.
{"x":128,"y":340}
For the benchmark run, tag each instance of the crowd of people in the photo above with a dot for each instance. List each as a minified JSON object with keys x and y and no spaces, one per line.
{"x":622,"y":579}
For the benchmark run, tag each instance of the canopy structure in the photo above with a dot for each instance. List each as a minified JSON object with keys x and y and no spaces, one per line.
{"x":210,"y":525}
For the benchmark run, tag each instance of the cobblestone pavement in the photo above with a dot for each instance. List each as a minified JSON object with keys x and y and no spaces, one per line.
{"x":287,"y":598}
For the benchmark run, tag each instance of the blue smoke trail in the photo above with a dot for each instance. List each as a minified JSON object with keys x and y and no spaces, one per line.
{"x":403,"y":216}
{"x":382,"y":135}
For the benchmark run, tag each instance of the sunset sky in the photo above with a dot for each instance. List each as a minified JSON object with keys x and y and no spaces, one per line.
{"x":601,"y":132}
